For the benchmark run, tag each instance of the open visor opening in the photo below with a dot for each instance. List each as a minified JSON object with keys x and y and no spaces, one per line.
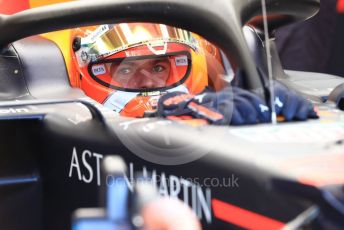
{"x":150,"y":72}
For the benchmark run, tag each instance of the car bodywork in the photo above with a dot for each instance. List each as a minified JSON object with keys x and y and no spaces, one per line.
{"x":273,"y":174}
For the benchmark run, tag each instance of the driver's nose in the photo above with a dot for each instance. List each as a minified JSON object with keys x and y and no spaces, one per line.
{"x":144,"y":79}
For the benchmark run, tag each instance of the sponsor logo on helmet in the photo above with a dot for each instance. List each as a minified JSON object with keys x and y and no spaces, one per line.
{"x":98,"y":69}
{"x":181,"y":61}
{"x":84,"y":56}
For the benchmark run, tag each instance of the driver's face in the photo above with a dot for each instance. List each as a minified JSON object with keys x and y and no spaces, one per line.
{"x":141,"y":74}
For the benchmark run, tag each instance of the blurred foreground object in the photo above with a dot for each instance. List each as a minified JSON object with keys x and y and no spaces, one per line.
{"x":126,"y":210}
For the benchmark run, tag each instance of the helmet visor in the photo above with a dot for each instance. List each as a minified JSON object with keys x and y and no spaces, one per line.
{"x":150,"y":72}
{"x":110,"y":39}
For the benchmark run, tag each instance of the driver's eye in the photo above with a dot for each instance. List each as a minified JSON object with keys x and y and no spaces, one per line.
{"x":125,"y":70}
{"x":158,"y":68}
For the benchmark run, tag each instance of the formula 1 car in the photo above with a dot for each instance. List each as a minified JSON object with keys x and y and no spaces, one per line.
{"x":54,"y":138}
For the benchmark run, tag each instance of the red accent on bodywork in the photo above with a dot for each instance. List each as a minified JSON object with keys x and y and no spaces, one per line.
{"x":340,"y":6}
{"x":243,"y":218}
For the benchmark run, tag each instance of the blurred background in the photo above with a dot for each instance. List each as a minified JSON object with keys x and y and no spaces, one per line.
{"x":316,"y":45}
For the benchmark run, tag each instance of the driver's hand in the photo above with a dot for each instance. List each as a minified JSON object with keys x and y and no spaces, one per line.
{"x":291,"y":105}
{"x":288,"y":105}
{"x":235,"y":106}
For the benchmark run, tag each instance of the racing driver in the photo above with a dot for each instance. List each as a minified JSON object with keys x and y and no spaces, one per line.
{"x":147,"y":69}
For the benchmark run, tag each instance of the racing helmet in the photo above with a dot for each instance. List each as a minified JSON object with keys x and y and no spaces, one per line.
{"x":128,"y":66}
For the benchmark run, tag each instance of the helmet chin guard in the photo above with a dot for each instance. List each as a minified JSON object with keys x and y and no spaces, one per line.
{"x":136,"y":104}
